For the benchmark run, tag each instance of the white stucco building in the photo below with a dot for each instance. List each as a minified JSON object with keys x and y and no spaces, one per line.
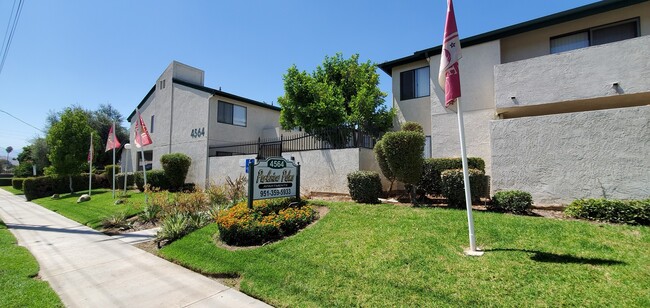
{"x":557,"y":106}
{"x":184,"y":116}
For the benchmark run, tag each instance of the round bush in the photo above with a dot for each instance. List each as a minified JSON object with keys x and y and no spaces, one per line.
{"x":513,"y":201}
{"x":453,"y":186}
{"x":412,"y":127}
{"x":176,"y":166}
{"x":364,"y":186}
{"x":267,"y":221}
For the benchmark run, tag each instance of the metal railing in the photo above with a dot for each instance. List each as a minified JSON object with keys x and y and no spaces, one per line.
{"x":322,"y":140}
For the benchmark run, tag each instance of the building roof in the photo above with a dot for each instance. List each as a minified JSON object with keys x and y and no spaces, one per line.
{"x":207,"y":90}
{"x":542,"y":22}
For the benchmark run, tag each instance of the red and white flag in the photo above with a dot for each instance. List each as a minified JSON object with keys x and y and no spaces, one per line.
{"x":449,"y":75}
{"x":111,"y":141}
{"x":90,"y":150}
{"x":142,"y":137}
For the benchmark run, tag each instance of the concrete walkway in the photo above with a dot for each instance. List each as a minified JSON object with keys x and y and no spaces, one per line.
{"x":89,"y":269}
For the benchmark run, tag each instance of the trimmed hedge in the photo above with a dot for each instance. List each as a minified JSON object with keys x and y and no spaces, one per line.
{"x":453,"y":187}
{"x":514,"y":201}
{"x":176,"y":166}
{"x":410,"y":126}
{"x":403,"y":151}
{"x":5,"y":181}
{"x":130,"y":181}
{"x":430,"y":182}
{"x":155,"y":178}
{"x":108,"y":173}
{"x":267,"y":221}
{"x":364,"y":186}
{"x":44,"y":186}
{"x":634,"y":212}
{"x":17,"y":183}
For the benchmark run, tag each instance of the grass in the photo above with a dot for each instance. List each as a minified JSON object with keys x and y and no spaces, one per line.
{"x":17,"y":271}
{"x":12,"y":190}
{"x":385,"y":255}
{"x":91,"y":213}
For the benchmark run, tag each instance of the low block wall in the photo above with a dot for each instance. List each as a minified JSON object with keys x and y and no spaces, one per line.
{"x":563,"y":157}
{"x":321,"y":170}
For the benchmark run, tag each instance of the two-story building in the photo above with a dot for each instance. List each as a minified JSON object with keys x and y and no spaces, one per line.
{"x":184,"y":116}
{"x":557,"y":106}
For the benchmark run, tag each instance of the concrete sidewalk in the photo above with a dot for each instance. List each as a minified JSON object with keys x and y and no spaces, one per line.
{"x":89,"y":269}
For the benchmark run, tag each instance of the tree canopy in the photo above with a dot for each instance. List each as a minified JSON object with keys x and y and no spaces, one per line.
{"x":340,"y":93}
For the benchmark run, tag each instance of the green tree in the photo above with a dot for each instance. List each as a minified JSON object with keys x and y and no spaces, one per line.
{"x":341,"y":93}
{"x":39,"y":155}
{"x":68,"y":141}
{"x":25,"y":155}
{"x":9,"y":149}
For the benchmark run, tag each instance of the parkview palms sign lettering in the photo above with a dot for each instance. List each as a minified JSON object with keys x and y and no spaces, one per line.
{"x":274,"y":177}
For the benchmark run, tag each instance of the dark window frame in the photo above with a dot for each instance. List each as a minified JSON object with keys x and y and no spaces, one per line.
{"x":231,"y":118}
{"x":403,"y":95}
{"x":151,"y":126}
{"x":590,"y":30}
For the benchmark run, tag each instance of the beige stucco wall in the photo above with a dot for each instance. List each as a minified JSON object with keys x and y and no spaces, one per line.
{"x":259,"y":121}
{"x":226,"y":166}
{"x":559,"y":158}
{"x":579,"y":74}
{"x":416,"y":109}
{"x":537,"y":43}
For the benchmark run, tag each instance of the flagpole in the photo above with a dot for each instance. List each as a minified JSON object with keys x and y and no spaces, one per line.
{"x":90,"y":166}
{"x":468,"y":193}
{"x":113,"y":158}
{"x":144,"y":172}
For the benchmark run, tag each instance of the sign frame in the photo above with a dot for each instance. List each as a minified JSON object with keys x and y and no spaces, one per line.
{"x":271,"y":165}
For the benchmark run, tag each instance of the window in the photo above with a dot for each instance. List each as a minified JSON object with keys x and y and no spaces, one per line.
{"x":162,"y":84}
{"x":596,"y":36}
{"x":151,"y":126}
{"x":231,"y":114}
{"x":148,"y":160}
{"x":414,"y":83}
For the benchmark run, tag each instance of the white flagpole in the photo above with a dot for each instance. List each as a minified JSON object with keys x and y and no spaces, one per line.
{"x":90,"y":165}
{"x":468,"y":192}
{"x":113,"y":158}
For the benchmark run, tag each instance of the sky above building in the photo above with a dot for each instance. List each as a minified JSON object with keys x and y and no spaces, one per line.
{"x":111,"y":52}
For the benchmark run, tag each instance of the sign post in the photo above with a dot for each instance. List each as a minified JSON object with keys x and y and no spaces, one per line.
{"x":274,"y":177}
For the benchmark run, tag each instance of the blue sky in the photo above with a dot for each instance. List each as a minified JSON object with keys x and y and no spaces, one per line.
{"x":96,"y":52}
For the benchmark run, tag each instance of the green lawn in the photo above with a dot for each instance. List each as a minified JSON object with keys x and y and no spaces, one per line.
{"x":386,"y":255}
{"x":12,"y":190}
{"x":17,"y":269}
{"x":91,"y":213}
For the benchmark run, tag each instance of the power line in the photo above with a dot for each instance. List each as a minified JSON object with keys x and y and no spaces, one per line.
{"x":7,"y":40}
{"x":11,"y":115}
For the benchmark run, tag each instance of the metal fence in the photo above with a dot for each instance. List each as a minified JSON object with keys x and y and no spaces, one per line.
{"x":322,"y":140}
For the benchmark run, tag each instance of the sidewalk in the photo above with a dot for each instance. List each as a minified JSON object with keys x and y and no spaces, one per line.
{"x":89,"y":269}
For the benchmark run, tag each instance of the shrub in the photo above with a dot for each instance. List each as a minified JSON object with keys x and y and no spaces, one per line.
{"x":116,"y":221}
{"x":267,"y":221}
{"x":150,"y":213}
{"x":101,"y":181}
{"x":24,"y":169}
{"x":617,"y":211}
{"x":130,"y":180}
{"x":5,"y":181}
{"x":380,"y":156}
{"x":453,"y":186}
{"x":108,"y":173}
{"x":237,"y":189}
{"x":364,"y":186}
{"x":430,"y":182}
{"x":412,"y":127}
{"x":403,"y":152}
{"x":514,"y":201}
{"x":176,"y":166}
{"x":44,"y":186}
{"x":155,"y":178}
{"x":17,"y":183}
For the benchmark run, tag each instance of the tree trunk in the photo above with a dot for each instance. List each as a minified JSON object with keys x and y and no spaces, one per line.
{"x":70,"y":178}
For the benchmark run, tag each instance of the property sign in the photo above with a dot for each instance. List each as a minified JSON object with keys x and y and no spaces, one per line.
{"x":274,"y":177}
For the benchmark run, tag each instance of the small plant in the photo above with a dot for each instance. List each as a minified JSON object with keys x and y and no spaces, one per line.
{"x":513,"y":201}
{"x":150,"y":213}
{"x":365,"y":186}
{"x":218,"y":194}
{"x":116,"y":221}
{"x":634,"y":212}
{"x":173,"y":227}
{"x":237,"y":189}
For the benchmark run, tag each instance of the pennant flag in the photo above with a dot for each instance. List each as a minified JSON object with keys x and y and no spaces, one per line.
{"x":142,"y":137}
{"x":90,"y":150}
{"x":449,"y":76}
{"x":111,"y":141}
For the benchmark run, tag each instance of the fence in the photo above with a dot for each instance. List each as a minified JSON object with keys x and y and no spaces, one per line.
{"x":322,"y":140}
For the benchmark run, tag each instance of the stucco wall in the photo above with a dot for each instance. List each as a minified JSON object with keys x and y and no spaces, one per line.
{"x":258,"y":119}
{"x":559,"y":158}
{"x":537,"y":43}
{"x":575,"y":75}
{"x":416,"y":109}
